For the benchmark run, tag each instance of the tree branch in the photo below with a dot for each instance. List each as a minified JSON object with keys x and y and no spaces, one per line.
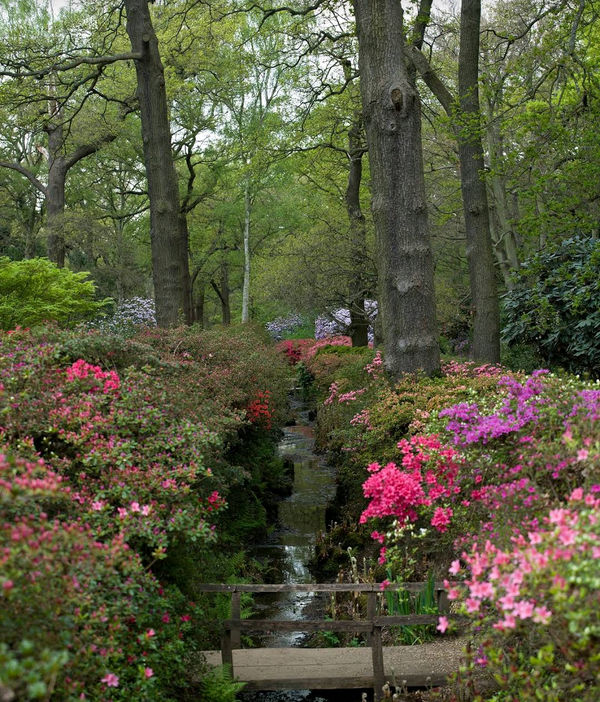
{"x":56,"y":67}
{"x":432,"y":80}
{"x":28,"y":174}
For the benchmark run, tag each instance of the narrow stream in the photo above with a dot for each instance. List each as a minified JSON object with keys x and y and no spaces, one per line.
{"x":301,"y":517}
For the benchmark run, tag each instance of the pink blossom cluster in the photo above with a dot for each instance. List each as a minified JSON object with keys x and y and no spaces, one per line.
{"x":81,"y":370}
{"x":500,"y":581}
{"x":375,"y":368}
{"x":469,"y":369}
{"x":427,"y":474}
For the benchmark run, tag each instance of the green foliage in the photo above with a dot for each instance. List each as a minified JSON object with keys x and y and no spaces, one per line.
{"x":556,"y":305}
{"x":35,"y":291}
{"x":33,"y":673}
{"x":218,"y":685}
{"x":403,"y":602}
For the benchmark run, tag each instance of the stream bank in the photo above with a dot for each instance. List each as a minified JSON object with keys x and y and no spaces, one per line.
{"x":290,"y":548}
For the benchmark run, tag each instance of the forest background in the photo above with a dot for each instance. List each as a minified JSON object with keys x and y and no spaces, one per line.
{"x":269,"y":175}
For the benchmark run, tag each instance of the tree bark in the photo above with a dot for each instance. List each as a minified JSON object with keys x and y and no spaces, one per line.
{"x":480,"y":255}
{"x":169,"y":251}
{"x":359,"y":321}
{"x":55,"y":195}
{"x":392,"y":118}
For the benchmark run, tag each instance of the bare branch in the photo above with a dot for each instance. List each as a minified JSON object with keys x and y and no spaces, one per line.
{"x":61,"y":67}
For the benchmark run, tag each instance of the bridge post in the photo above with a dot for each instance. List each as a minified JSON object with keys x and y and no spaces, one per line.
{"x":378,"y":671}
{"x":226,"y":649}
{"x":236,"y":615}
{"x":371,"y":612}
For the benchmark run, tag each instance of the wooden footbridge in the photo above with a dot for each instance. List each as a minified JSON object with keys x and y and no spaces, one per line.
{"x":421,"y":665}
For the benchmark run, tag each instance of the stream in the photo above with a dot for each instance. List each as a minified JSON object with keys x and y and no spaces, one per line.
{"x":301,"y":516}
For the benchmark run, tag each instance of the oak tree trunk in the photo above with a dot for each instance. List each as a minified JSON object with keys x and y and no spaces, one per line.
{"x":480,"y":255}
{"x":392,"y":119}
{"x":169,"y":251}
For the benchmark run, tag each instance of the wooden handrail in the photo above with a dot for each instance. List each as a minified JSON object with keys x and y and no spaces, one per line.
{"x":372,"y":626}
{"x":314,"y":587}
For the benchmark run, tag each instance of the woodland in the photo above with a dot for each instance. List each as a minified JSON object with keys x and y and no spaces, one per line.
{"x":390,"y":206}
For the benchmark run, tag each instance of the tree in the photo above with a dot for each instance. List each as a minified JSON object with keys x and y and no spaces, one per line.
{"x":392,"y":118}
{"x":170,"y":269}
{"x":464,"y":115}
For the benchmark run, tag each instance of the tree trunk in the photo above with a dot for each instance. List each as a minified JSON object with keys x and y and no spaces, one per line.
{"x":480,"y":255}
{"x":246,"y":286}
{"x":55,"y":195}
{"x":359,"y":321}
{"x":188,"y":307}
{"x":225,"y":306}
{"x":392,"y":119}
{"x":199,"y":303}
{"x":165,"y":232}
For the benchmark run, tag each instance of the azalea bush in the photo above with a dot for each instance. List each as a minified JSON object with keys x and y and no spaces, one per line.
{"x":84,"y":612}
{"x":119,"y":456}
{"x":511,"y":482}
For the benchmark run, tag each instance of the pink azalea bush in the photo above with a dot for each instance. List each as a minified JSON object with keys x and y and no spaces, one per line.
{"x":113,"y":459}
{"x":495,"y":476}
{"x":518,"y":498}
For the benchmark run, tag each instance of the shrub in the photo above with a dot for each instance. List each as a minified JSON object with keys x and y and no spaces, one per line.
{"x":555,"y":306}
{"x":35,"y":291}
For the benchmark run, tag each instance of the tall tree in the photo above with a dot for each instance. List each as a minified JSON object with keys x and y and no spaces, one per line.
{"x":464,"y":113}
{"x":170,"y":270}
{"x":392,"y":116}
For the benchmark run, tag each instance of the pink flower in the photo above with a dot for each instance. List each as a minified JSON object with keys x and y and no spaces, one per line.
{"x":582,"y":454}
{"x":148,"y":672}
{"x":7,"y":585}
{"x":150,"y":633}
{"x":384,"y":583}
{"x":442,"y":624}
{"x":97,"y":506}
{"x":111,"y":680}
{"x":185,"y":617}
{"x":135,"y":506}
{"x":441,"y":518}
{"x":454,"y":568}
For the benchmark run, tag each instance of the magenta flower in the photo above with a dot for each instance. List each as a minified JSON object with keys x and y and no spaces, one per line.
{"x":111,"y":680}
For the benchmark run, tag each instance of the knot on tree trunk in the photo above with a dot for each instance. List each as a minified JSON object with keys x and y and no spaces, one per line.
{"x":402,"y":96}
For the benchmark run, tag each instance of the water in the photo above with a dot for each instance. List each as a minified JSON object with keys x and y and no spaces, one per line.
{"x":301,"y":517}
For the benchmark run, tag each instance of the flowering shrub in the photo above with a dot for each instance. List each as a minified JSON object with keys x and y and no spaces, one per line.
{"x":538,"y":600}
{"x":118,"y":468}
{"x":283,"y":325}
{"x":295,"y":350}
{"x":86,"y":606}
{"x":128,"y":315}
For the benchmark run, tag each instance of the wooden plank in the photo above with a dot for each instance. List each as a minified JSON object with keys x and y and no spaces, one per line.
{"x":358,"y":625}
{"x":298,"y":668}
{"x":314,"y":587}
{"x":298,"y":625}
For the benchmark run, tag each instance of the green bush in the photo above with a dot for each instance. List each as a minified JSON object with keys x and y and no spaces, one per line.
{"x":36,"y":291}
{"x":555,"y":306}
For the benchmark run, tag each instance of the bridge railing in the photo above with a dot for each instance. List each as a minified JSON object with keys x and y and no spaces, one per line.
{"x":371,"y":625}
